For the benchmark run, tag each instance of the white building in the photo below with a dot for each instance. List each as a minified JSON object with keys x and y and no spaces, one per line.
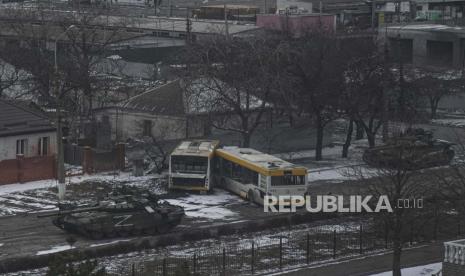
{"x":24,"y":132}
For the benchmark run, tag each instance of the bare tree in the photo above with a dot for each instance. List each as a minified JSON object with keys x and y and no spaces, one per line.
{"x":314,"y":65}
{"x":85,"y":37}
{"x":364,"y":94}
{"x":232,"y":80}
{"x":400,"y":181}
{"x":434,"y":84}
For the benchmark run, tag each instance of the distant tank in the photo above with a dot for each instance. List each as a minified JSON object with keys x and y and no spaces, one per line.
{"x":416,"y":149}
{"x":122,"y":213}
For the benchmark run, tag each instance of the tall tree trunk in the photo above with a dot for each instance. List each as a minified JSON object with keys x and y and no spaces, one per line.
{"x":360,"y":132}
{"x":246,"y":139}
{"x":397,"y":251}
{"x":396,"y":260}
{"x":385,"y":130}
{"x":319,"y":139}
{"x":60,"y":159}
{"x":434,"y":107}
{"x":371,"y":139}
{"x":345,"y":147}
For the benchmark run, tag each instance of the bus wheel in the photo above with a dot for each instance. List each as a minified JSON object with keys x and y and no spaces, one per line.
{"x":251,"y":196}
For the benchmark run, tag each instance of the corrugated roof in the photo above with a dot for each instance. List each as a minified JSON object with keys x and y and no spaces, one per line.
{"x":16,"y":120}
{"x":164,"y":100}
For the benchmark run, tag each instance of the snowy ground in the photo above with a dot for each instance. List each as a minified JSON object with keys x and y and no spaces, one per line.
{"x":449,"y":122}
{"x":211,"y":206}
{"x":41,"y":195}
{"x":424,"y":270}
{"x":267,"y":240}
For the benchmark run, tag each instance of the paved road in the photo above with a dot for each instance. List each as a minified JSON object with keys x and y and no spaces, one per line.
{"x":375,"y":263}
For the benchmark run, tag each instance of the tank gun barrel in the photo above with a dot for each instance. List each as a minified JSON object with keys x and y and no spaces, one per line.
{"x":67,"y":212}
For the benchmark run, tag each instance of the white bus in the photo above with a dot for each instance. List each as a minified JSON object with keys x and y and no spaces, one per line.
{"x":252,"y":174}
{"x":190,"y":165}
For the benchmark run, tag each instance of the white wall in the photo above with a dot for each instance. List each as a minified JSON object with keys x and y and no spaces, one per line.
{"x":285,"y":4}
{"x":130,"y":125}
{"x":8,"y":144}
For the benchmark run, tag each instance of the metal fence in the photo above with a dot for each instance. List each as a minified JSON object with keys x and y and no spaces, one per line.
{"x":249,"y":257}
{"x":296,"y":248}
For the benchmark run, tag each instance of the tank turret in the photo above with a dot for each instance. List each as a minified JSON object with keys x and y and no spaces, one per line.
{"x":122,"y":213}
{"x":416,"y":149}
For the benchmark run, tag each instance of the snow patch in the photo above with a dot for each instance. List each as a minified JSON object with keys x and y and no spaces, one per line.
{"x":55,"y":249}
{"x":208,"y":206}
{"x":424,"y":270}
{"x":107,"y":243}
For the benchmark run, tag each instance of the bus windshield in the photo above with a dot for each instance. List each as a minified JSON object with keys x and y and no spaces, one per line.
{"x":189,"y":164}
{"x":287,"y":180}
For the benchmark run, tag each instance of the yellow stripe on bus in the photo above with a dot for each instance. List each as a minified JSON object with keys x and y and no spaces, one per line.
{"x":259,"y":169}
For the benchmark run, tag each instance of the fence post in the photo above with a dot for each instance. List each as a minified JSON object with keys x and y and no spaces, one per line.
{"x":224,"y":261}
{"x":334,"y":244}
{"x":195,"y":263}
{"x":386,"y":236}
{"x":360,"y":238}
{"x":253,"y":256}
{"x":308,"y":248}
{"x":411,"y":235}
{"x":164,"y":267}
{"x":280,"y":252}
{"x":133,"y":269}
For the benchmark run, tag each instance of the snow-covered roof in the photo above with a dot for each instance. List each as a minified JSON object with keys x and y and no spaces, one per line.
{"x":205,"y":95}
{"x":428,"y":28}
{"x":196,"y":148}
{"x":256,"y":158}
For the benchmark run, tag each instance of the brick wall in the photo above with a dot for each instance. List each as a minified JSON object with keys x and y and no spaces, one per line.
{"x":98,"y":161}
{"x":27,"y":169}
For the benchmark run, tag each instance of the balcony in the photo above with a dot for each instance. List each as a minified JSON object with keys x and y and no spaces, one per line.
{"x":454,"y":252}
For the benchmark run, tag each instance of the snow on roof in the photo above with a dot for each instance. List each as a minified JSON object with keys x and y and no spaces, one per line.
{"x":428,"y":27}
{"x":208,"y":95}
{"x":196,"y":148}
{"x":258,"y":158}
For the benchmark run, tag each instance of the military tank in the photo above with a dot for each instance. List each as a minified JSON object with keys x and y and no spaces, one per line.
{"x":416,"y":149}
{"x":122,"y":213}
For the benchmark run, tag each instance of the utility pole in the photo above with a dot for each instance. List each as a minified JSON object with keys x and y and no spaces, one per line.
{"x":373,"y":14}
{"x":59,"y":136}
{"x":226,"y":26}
{"x":188,"y":28}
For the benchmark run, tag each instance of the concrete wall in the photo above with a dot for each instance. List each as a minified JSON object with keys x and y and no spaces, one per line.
{"x":421,"y":42}
{"x":286,"y":4}
{"x":129,"y":124}
{"x":8,"y":144}
{"x":449,"y":269}
{"x":297,"y":24}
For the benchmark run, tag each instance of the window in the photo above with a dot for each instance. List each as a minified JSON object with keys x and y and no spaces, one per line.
{"x":147,"y":131}
{"x":287,"y":180}
{"x":239,"y":173}
{"x":189,"y":164}
{"x":44,"y":145}
{"x":21,"y":146}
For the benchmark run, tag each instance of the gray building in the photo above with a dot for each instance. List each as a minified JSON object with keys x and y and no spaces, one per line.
{"x":426,"y":44}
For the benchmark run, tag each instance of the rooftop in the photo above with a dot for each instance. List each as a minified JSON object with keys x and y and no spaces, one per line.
{"x":164,"y":100}
{"x":16,"y":119}
{"x":428,"y":28}
{"x":196,"y":148}
{"x":262,"y":160}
